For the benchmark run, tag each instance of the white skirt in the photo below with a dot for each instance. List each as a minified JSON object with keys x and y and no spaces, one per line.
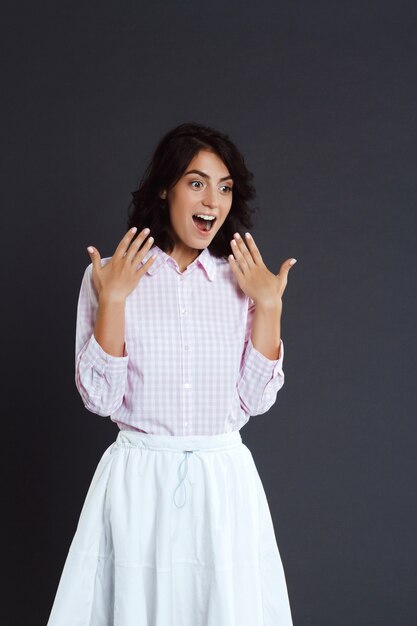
{"x":174,"y":531}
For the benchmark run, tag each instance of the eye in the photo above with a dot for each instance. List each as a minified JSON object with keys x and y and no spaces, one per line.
{"x":196,"y":181}
{"x":227,"y":187}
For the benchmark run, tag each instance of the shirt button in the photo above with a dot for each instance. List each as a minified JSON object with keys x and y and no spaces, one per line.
{"x":187,"y":385}
{"x":185,"y":423}
{"x":184,"y":311}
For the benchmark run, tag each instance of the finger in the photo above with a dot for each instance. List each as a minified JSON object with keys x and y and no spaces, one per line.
{"x":137,"y":243}
{"x":285,"y":268}
{"x":254,"y":250}
{"x":141,"y":245}
{"x":135,"y":253}
{"x":241,"y":253}
{"x":287,"y":265}
{"x":124,"y":243}
{"x":244,"y":250}
{"x":233,"y":264}
{"x":95,"y":257}
{"x":143,"y":267}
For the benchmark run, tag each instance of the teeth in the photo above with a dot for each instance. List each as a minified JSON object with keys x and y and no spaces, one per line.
{"x":206,"y":217}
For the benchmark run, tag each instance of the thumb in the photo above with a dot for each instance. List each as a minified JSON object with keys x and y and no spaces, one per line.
{"x":94,"y":256}
{"x":286,"y":266}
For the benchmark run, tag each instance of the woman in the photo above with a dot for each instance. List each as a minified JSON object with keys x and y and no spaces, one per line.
{"x":178,"y":341}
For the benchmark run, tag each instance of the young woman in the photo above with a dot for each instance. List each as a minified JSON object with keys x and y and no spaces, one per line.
{"x":178,"y":341}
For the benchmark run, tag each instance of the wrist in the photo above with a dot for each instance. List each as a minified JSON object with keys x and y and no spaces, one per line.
{"x":270,"y":304}
{"x":109,"y":297}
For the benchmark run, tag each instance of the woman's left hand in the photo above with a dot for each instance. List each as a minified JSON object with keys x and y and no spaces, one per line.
{"x":254,"y":278}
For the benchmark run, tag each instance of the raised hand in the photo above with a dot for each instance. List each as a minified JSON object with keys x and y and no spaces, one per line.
{"x":119,"y":276}
{"x":254,"y":278}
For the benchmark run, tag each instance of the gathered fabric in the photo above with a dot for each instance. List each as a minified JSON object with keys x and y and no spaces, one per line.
{"x":174,"y":530}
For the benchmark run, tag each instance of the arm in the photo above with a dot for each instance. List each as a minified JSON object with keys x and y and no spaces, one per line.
{"x":101,"y":357}
{"x":266,"y":330}
{"x":261,"y":376}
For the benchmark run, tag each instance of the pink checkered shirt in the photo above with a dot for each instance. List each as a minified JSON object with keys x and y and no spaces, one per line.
{"x":189,"y":365}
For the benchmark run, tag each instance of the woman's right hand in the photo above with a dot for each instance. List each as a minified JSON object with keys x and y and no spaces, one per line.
{"x":119,"y":276}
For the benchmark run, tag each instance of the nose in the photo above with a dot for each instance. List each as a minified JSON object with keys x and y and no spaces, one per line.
{"x":211,"y":198}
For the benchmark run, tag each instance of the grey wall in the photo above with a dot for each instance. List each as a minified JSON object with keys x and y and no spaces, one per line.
{"x":321,"y":98}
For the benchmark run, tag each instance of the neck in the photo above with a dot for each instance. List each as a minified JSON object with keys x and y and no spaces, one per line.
{"x":184,"y":258}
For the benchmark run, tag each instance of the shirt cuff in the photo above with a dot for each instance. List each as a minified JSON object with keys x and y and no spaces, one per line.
{"x":260,"y":365}
{"x":102,"y":360}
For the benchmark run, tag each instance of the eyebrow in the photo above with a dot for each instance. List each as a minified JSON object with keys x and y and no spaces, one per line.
{"x":204,"y":175}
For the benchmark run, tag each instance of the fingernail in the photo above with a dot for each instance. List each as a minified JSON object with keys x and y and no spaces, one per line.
{"x":133,"y":230}
{"x":90,"y":249}
{"x":247,"y":235}
{"x":293,"y":261}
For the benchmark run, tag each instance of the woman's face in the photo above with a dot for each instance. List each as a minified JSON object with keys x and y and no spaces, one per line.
{"x":204,"y":188}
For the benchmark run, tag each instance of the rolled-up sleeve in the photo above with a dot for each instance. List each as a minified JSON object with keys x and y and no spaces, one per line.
{"x":260,"y":378}
{"x":100,"y":377}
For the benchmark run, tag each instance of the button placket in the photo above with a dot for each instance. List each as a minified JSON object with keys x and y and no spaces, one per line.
{"x":185,"y":358}
{"x":184,"y":312}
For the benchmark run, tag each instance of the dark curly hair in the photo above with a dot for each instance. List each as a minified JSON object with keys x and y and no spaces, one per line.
{"x":171,"y":157}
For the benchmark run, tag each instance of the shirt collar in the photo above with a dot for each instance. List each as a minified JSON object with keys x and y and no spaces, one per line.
{"x":205,"y":259}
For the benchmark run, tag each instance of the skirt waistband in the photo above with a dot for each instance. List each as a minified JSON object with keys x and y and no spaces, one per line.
{"x":187,"y":445}
{"x":182,"y":443}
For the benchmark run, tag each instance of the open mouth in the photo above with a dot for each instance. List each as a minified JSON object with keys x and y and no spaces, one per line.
{"x":203,"y":224}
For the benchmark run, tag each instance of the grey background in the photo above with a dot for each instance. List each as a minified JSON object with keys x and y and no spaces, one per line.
{"x":321,"y":99}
